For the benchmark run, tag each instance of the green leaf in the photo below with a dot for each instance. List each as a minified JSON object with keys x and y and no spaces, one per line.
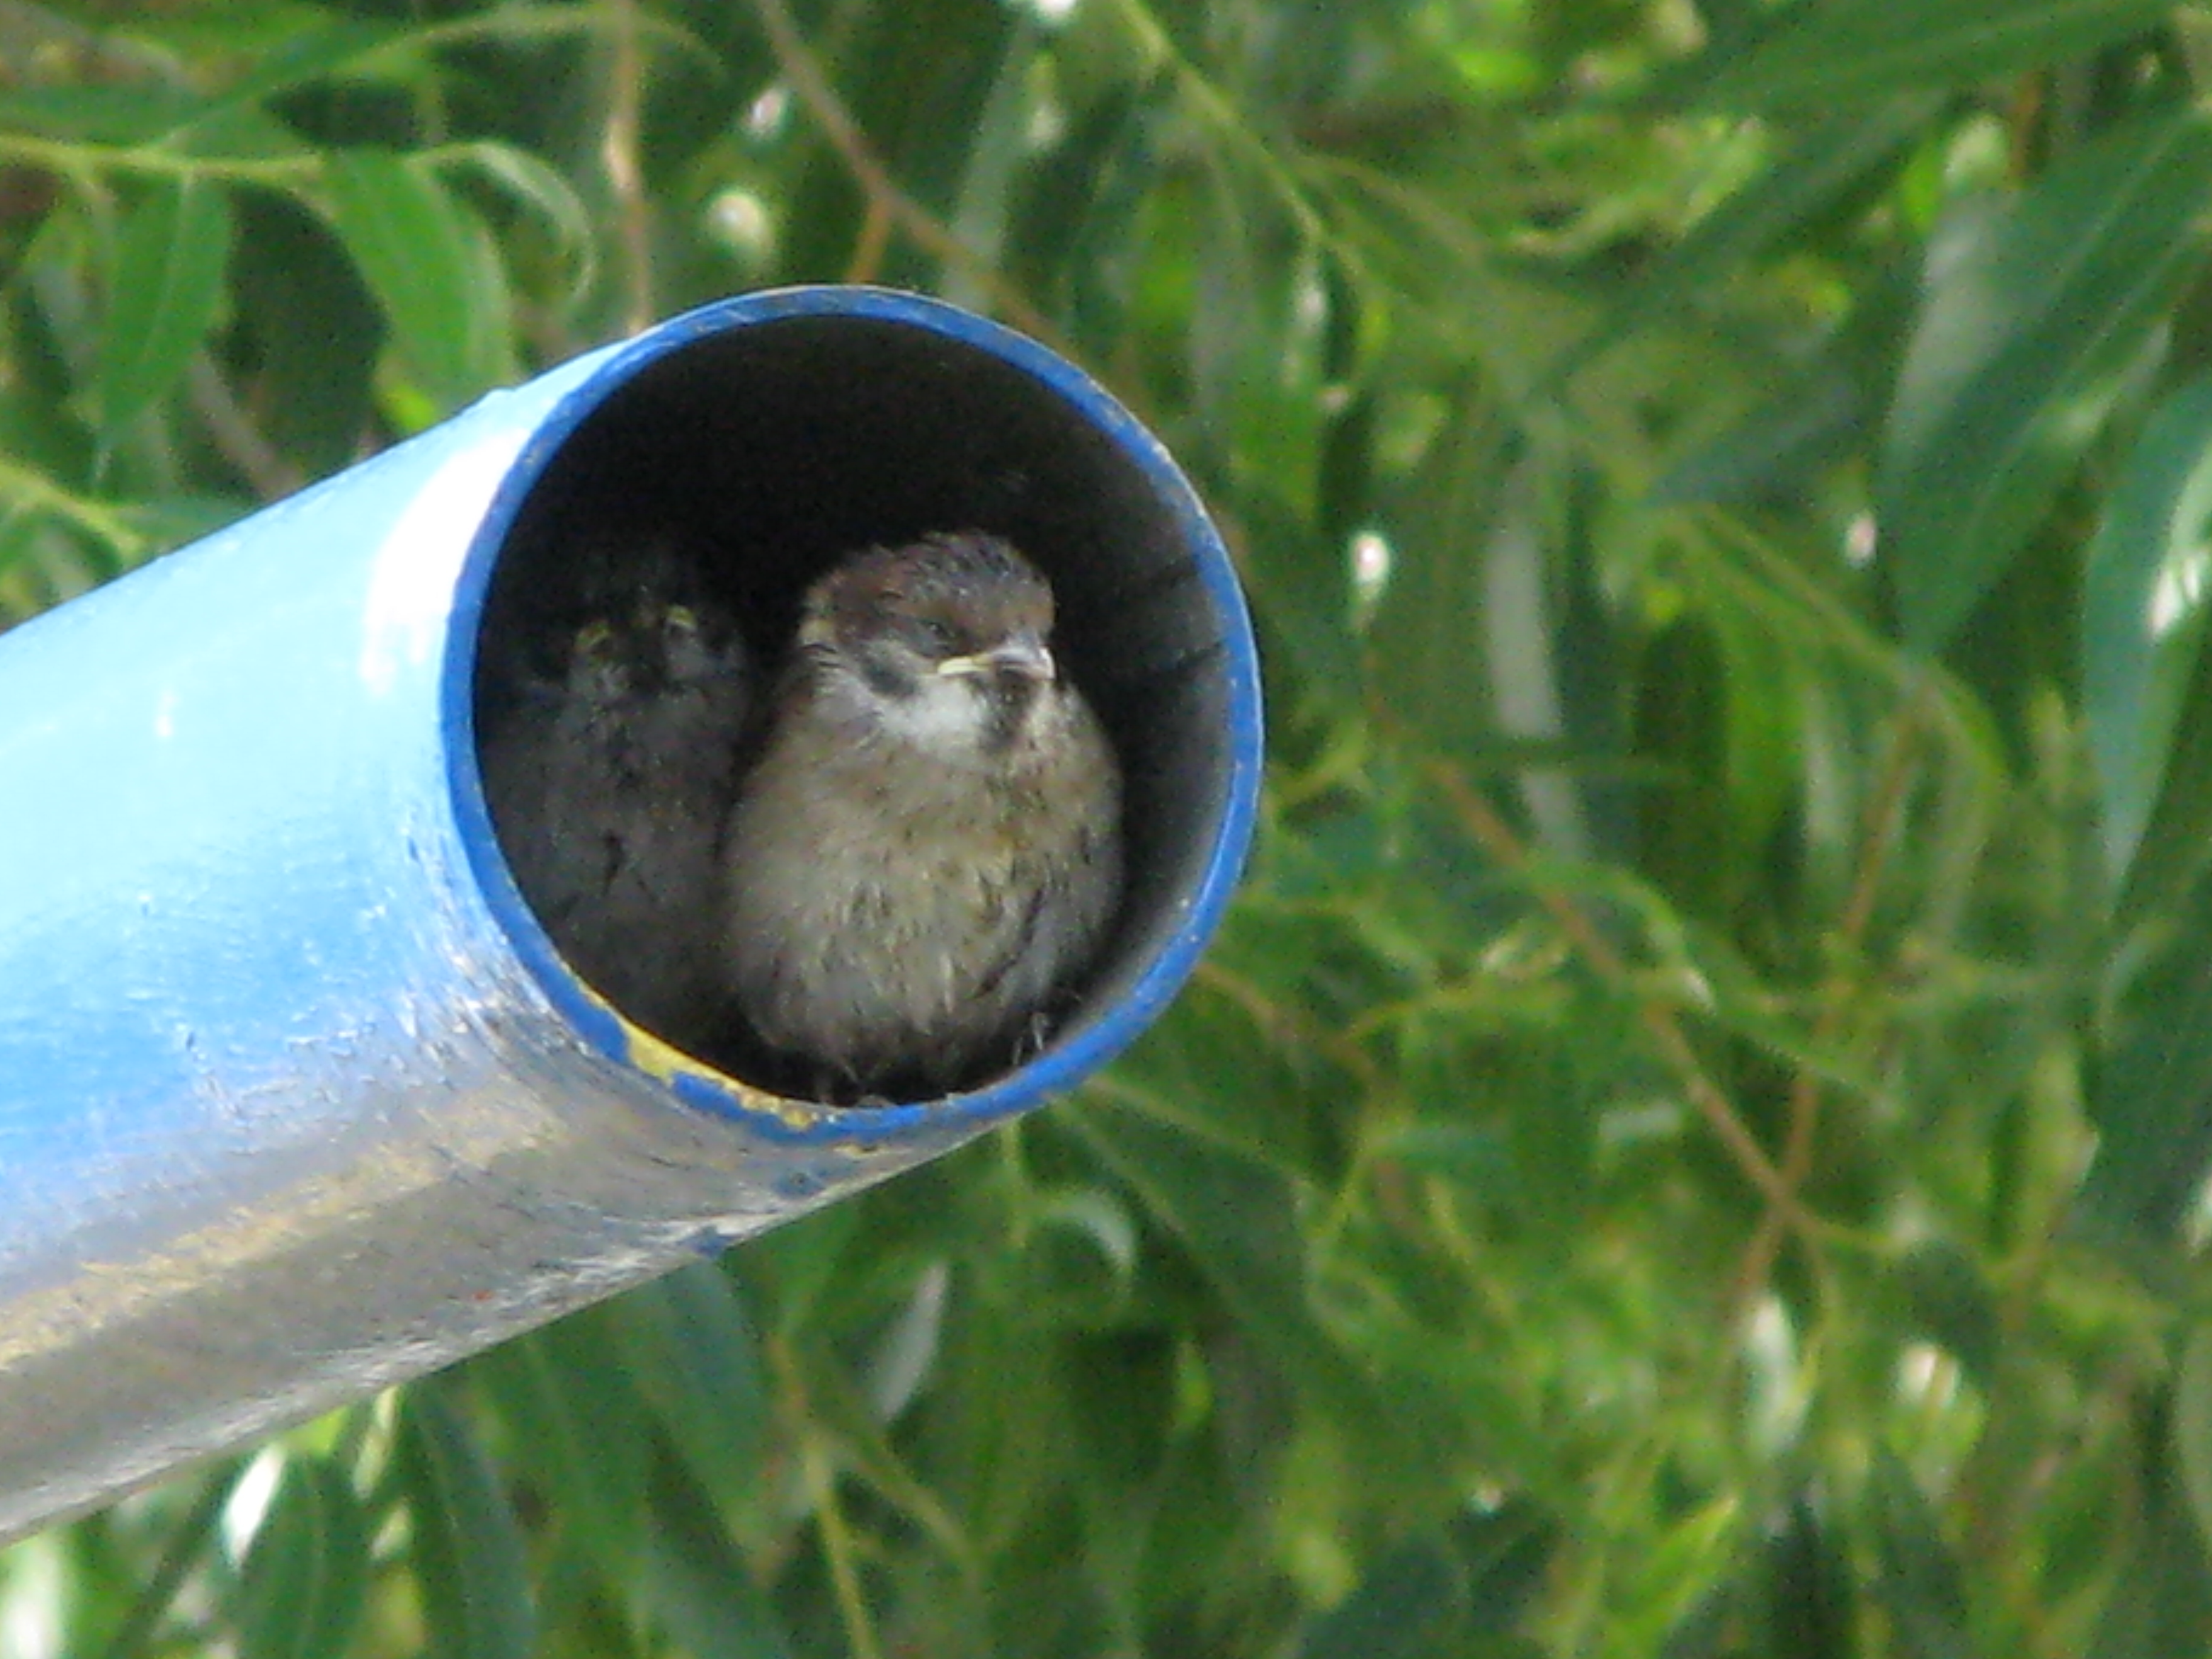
{"x":2160,"y":1604}
{"x":1236,"y":1217}
{"x":1408,"y":1605}
{"x":164,"y":292}
{"x":1477,"y":1157}
{"x":426,"y":260}
{"x":702,"y":1589}
{"x":1945,"y":1296}
{"x":1828,"y":52}
{"x":116,"y":115}
{"x":2174,"y":852}
{"x":1729,"y":711}
{"x":2146,"y":592}
{"x":1073,"y":234}
{"x":1429,"y":640}
{"x":162,"y":522}
{"x":1504,"y":1553}
{"x":1818,"y":165}
{"x":1819,"y":413}
{"x":2151,"y":1093}
{"x":2153,"y":1087}
{"x":1808,"y":1611}
{"x":2192,"y":1426}
{"x":196,"y":1535}
{"x":574,"y":1420}
{"x":305,"y":1580}
{"x":689,"y":1348}
{"x":2037,"y":308}
{"x":1919,"y":1584}
{"x":122,"y":118}
{"x":294,"y":56}
{"x":531,"y":182}
{"x":1232,"y":1214}
{"x":314,"y":329}
{"x":468,"y":1552}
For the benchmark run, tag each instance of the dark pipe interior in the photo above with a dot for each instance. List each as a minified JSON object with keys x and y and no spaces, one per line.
{"x":768,"y":452}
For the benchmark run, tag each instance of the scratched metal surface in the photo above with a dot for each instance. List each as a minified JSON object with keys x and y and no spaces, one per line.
{"x":296,"y":1098}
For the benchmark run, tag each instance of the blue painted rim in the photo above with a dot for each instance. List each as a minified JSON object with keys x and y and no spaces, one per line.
{"x":805,"y":1122}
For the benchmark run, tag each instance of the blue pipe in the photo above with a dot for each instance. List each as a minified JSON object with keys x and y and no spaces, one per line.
{"x":298,"y":1097}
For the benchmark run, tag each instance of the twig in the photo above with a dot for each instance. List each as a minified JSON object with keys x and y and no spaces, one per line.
{"x":1284,"y":1025}
{"x":844,"y":133}
{"x":240,"y":441}
{"x":821,"y":1473}
{"x":872,"y":243}
{"x":1876,"y":839}
{"x":618,"y":154}
{"x":1481,"y":821}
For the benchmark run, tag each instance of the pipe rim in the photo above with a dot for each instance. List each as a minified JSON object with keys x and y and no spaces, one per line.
{"x":695,"y":1082}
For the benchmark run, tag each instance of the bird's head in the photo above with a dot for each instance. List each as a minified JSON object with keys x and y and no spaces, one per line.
{"x":945,"y":642}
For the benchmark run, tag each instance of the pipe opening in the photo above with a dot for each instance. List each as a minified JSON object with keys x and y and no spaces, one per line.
{"x":692,"y":506}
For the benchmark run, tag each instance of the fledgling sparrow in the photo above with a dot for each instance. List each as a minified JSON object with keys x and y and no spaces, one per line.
{"x":928,"y":851}
{"x":609,"y":784}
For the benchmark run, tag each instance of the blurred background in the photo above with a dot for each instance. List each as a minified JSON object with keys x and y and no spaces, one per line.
{"x":1693,"y":1141}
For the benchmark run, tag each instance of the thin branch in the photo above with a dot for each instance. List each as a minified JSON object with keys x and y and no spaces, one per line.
{"x":811,"y":86}
{"x":1657,"y":1017}
{"x":81,"y":159}
{"x":189,"y":1539}
{"x":873,"y":241}
{"x":1215,"y":108}
{"x":241,"y":442}
{"x":26,"y":488}
{"x":619,"y":147}
{"x":839,"y":1550}
{"x":1877,"y":838}
{"x":837,"y":1545}
{"x":1284,"y":1024}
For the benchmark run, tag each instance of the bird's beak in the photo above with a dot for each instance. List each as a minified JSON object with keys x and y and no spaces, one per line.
{"x":1024,"y":654}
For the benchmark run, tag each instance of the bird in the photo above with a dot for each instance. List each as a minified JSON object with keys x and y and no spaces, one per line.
{"x":609,"y":779}
{"x":927,"y":853}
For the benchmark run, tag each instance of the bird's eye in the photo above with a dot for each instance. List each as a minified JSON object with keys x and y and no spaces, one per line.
{"x":932,"y":637}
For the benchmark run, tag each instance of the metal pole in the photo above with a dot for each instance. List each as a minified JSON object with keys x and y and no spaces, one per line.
{"x":297,"y":1096}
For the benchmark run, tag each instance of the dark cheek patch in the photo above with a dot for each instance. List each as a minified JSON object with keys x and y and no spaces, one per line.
{"x":886,"y":680}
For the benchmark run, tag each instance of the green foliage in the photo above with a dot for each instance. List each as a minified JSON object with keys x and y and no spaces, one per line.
{"x":1693,"y":1139}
